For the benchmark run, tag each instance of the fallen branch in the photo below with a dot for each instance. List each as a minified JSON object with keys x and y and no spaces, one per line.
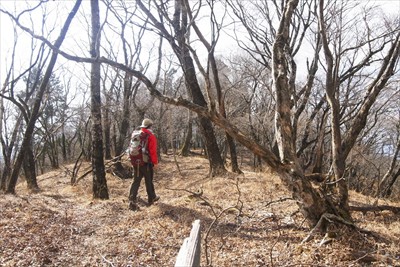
{"x":278,"y":201}
{"x":365,"y":209}
{"x":107,"y":165}
{"x":83,"y":176}
{"x":197,"y":194}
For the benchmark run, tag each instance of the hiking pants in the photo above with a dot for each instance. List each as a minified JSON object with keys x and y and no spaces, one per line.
{"x":145,"y":171}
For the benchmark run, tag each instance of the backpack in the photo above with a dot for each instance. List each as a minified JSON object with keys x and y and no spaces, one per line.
{"x":138,"y":151}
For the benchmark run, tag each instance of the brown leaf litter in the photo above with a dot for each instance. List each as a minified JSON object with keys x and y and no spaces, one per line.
{"x":246,"y":220}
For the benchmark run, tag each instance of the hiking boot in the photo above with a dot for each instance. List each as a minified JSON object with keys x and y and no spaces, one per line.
{"x":151,"y":202}
{"x":133,"y":206}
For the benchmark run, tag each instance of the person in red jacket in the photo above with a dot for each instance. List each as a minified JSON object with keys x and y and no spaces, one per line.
{"x":146,"y":170}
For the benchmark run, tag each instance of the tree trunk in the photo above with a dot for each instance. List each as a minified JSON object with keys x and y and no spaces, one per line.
{"x":100,"y":189}
{"x":35,"y":110}
{"x":107,"y":119}
{"x":7,"y":149}
{"x":53,"y":151}
{"x":181,"y":49}
{"x":319,"y":147}
{"x":185,"y":149}
{"x":388,"y":180}
{"x":30,"y":170}
{"x":331,"y":87}
{"x":206,"y":127}
{"x":64,"y":144}
{"x":232,"y":150}
{"x":314,"y":205}
{"x":220,"y":99}
{"x":123,"y":130}
{"x":107,"y":129}
{"x":213,"y":151}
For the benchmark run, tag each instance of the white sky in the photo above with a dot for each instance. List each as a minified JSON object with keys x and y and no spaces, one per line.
{"x":78,"y":34}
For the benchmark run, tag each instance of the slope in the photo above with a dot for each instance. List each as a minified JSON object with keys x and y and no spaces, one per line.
{"x":247,"y":220}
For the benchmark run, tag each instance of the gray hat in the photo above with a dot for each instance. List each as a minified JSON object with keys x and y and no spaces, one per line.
{"x":146,"y":123}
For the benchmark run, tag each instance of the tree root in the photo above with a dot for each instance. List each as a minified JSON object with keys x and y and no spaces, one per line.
{"x":365,"y":209}
{"x":331,"y":218}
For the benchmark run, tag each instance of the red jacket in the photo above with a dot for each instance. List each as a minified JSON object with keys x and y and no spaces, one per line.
{"x":152,"y":146}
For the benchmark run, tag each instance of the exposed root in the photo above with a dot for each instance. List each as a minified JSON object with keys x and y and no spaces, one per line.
{"x":331,"y":218}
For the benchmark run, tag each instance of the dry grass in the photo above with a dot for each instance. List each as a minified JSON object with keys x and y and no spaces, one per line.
{"x":63,"y":226}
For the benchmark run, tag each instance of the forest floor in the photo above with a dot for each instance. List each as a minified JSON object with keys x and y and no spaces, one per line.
{"x":62,"y":225}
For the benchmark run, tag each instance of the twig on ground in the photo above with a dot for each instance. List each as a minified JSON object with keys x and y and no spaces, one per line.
{"x":238,"y":207}
{"x":331,"y":218}
{"x":197,"y":194}
{"x":366,"y":255}
{"x":278,"y":200}
{"x":271,"y":258}
{"x":107,"y":261}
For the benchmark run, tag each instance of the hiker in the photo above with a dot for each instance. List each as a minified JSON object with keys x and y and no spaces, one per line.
{"x":144,"y":168}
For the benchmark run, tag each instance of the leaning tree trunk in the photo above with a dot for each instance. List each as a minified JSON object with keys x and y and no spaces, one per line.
{"x":35,"y":110}
{"x":100,"y":189}
{"x":388,"y":188}
{"x":229,"y":139}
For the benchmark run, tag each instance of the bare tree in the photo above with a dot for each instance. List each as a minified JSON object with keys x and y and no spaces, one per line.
{"x":26,"y":142}
{"x":179,"y":42}
{"x":317,"y":204}
{"x":343,"y":143}
{"x":313,"y":204}
{"x":388,"y":180}
{"x":22,"y":100}
{"x":100,"y":189}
